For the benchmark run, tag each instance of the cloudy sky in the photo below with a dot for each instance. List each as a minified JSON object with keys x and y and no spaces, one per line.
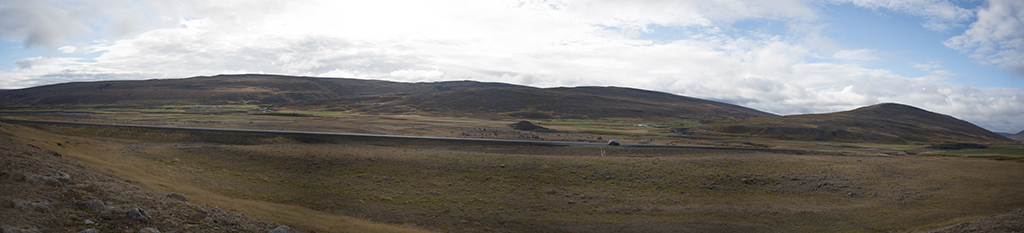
{"x":963,"y":58}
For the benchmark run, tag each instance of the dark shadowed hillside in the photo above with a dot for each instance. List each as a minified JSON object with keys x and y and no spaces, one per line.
{"x":891,"y":123}
{"x":538,"y":103}
{"x":221,"y":89}
{"x":456,"y":98}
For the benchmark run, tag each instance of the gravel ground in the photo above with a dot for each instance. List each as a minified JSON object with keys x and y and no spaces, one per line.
{"x":1011,"y":221}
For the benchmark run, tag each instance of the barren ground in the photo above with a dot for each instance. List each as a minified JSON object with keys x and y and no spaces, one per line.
{"x":380,"y":186}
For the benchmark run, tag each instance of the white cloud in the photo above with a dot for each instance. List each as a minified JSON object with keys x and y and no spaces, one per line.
{"x":926,"y":66}
{"x":997,"y":38}
{"x":39,"y":23}
{"x":541,"y":43}
{"x":940,"y":15}
{"x":860,"y":55}
{"x":932,"y":68}
{"x":53,"y":23}
{"x":409,"y":74}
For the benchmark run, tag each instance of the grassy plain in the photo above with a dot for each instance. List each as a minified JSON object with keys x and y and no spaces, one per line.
{"x":381,"y":186}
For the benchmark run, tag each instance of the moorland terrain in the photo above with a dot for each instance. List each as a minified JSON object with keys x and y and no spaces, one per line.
{"x":686,"y":165}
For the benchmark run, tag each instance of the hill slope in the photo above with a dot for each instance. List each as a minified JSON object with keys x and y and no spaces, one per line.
{"x":889,"y":123}
{"x":1017,"y":137}
{"x":457,"y":98}
{"x":35,"y":200}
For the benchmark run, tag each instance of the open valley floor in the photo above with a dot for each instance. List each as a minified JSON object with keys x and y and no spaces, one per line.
{"x":382,"y":185}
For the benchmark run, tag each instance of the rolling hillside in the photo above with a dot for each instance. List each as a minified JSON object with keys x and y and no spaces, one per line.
{"x":1017,"y":137}
{"x":893,"y":123}
{"x":890,"y":123}
{"x":456,"y":98}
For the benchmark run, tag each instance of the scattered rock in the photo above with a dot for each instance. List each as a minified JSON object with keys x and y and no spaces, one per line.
{"x":572,"y":202}
{"x":92,"y":200}
{"x":95,"y":205}
{"x":20,"y":230}
{"x":41,"y":180}
{"x":177,"y":196}
{"x":90,"y":230}
{"x":283,"y":229}
{"x":42,"y":206}
{"x":137,"y":214}
{"x":552,"y":191}
{"x":56,"y":179}
{"x":149,"y":230}
{"x":61,"y":176}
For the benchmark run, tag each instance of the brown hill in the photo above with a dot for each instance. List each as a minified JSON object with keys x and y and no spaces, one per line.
{"x":221,"y":89}
{"x":575,"y":103}
{"x":1017,"y":137}
{"x":458,"y":98}
{"x":888,"y":123}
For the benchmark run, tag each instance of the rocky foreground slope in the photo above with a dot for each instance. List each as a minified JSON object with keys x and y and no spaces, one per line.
{"x":42,"y":192}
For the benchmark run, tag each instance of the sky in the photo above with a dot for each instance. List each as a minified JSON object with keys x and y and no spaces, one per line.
{"x":963,"y":58}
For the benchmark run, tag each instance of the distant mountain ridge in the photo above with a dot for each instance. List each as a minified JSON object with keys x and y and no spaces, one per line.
{"x":889,"y":122}
{"x":454,"y":98}
{"x":1017,"y":137}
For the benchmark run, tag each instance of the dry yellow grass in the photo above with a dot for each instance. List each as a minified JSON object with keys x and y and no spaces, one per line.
{"x":466,"y":188}
{"x":164,"y":178}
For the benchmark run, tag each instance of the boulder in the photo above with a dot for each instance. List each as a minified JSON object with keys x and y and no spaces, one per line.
{"x":95,"y":205}
{"x":41,"y":180}
{"x":149,"y":230}
{"x":177,"y":196}
{"x":61,"y":176}
{"x":137,"y":214}
{"x":56,"y":179}
{"x":43,"y":206}
{"x":283,"y":229}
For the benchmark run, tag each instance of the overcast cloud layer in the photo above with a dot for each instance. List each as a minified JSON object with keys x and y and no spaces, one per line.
{"x":538,"y":43}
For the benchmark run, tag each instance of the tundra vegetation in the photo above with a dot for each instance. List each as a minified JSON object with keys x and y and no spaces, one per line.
{"x":333,"y":185}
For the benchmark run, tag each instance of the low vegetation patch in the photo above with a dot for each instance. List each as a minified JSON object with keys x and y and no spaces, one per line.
{"x":957,"y":146}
